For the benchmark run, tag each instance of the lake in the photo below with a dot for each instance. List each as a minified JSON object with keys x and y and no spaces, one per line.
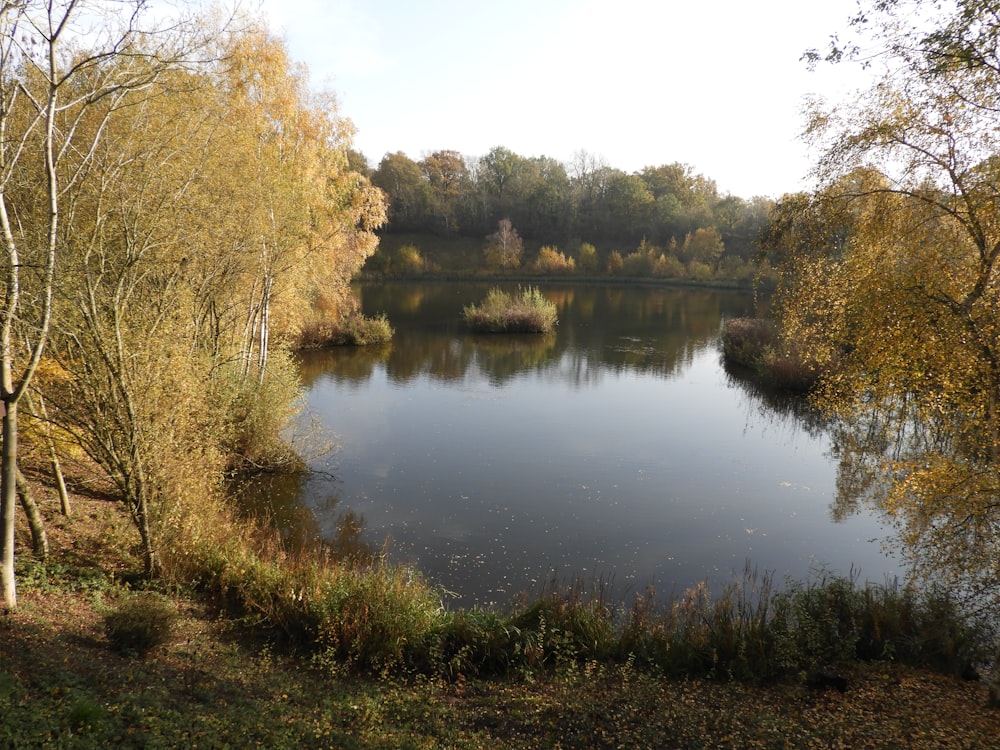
{"x":616,"y":452}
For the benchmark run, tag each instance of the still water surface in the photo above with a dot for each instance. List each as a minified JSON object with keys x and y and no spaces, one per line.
{"x":616,"y":450}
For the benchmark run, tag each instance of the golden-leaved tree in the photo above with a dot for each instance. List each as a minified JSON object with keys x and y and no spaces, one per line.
{"x":66,"y":67}
{"x":215,"y":214}
{"x":890,"y":279}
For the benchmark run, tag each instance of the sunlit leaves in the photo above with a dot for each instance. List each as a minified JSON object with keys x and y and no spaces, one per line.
{"x":889,"y":275}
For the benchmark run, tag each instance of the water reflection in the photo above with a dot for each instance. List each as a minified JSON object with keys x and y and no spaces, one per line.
{"x":773,"y":406}
{"x":272,"y":499}
{"x":940,"y":497}
{"x":655,"y":331}
{"x":616,"y":449}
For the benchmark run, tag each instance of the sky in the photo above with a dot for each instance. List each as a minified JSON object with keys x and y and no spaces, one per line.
{"x":715,"y":84}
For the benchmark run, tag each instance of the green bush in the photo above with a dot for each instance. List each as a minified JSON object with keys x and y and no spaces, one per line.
{"x":587,"y":258}
{"x":409,"y":260}
{"x":465,"y":644}
{"x":139,"y":623}
{"x":501,"y":312}
{"x":668,"y":267}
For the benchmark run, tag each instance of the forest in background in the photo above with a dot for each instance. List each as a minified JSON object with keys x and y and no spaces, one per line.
{"x":667,"y":211}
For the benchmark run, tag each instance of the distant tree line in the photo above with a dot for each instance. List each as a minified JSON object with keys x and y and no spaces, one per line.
{"x":554,"y":203}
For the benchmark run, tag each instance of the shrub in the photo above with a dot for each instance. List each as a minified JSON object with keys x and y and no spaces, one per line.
{"x":409,"y":260}
{"x":789,"y":371}
{"x":636,"y":264}
{"x":735,"y":268}
{"x":550,"y":260}
{"x":468,"y":644}
{"x":353,"y":329}
{"x":668,"y":267}
{"x":139,"y":623}
{"x":501,"y":312}
{"x":257,"y":409}
{"x":699,"y":271}
{"x":746,"y":341}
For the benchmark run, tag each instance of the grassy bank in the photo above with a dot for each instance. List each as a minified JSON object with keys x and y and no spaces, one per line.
{"x":556,"y":672}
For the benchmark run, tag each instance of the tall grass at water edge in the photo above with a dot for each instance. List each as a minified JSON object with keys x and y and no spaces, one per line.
{"x":527,"y":312}
{"x":753,"y":344}
{"x":752,"y":631}
{"x":370,"y":616}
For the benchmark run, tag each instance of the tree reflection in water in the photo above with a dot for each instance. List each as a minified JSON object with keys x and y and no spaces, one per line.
{"x":272,"y":499}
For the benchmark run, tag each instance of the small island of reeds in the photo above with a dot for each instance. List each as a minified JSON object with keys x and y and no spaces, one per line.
{"x":501,"y":312}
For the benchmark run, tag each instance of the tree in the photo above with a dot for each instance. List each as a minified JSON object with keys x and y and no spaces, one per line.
{"x":504,"y":247}
{"x":448,"y":177}
{"x":175,"y":303}
{"x":498,"y":168}
{"x":703,"y":245}
{"x":61,"y":80}
{"x":891,"y":276}
{"x":409,"y":193}
{"x":177,"y":222}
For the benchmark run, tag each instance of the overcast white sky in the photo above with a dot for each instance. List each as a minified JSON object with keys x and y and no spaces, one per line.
{"x":718,"y":85}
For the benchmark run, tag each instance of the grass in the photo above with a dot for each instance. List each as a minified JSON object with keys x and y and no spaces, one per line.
{"x":527,"y":312}
{"x":279,"y":652}
{"x":352,"y":330}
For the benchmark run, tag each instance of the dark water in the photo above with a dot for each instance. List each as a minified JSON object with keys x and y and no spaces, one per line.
{"x":615,"y":451}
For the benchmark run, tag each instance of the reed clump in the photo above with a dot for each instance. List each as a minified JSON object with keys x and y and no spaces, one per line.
{"x":526,"y":312}
{"x":753,"y":344}
{"x":752,"y":632}
{"x":351,"y":330}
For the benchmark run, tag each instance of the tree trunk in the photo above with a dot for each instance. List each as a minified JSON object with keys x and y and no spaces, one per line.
{"x":8,"y":503}
{"x":39,"y":539}
{"x":64,"y":506}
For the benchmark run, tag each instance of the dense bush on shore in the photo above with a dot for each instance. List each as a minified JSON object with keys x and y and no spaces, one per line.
{"x":351,"y":330}
{"x":432,"y":256}
{"x":364,"y":614}
{"x":753,"y":343}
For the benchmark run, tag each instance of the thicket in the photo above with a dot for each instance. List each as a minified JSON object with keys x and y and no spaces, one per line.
{"x":754,"y":344}
{"x":529,"y":311}
{"x":209,"y":220}
{"x":428,"y":256}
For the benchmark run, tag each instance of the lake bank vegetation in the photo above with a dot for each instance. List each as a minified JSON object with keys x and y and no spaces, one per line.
{"x":528,"y":311}
{"x":430,"y":257}
{"x":753,"y":344}
{"x":268,"y":648}
{"x":146,"y":324}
